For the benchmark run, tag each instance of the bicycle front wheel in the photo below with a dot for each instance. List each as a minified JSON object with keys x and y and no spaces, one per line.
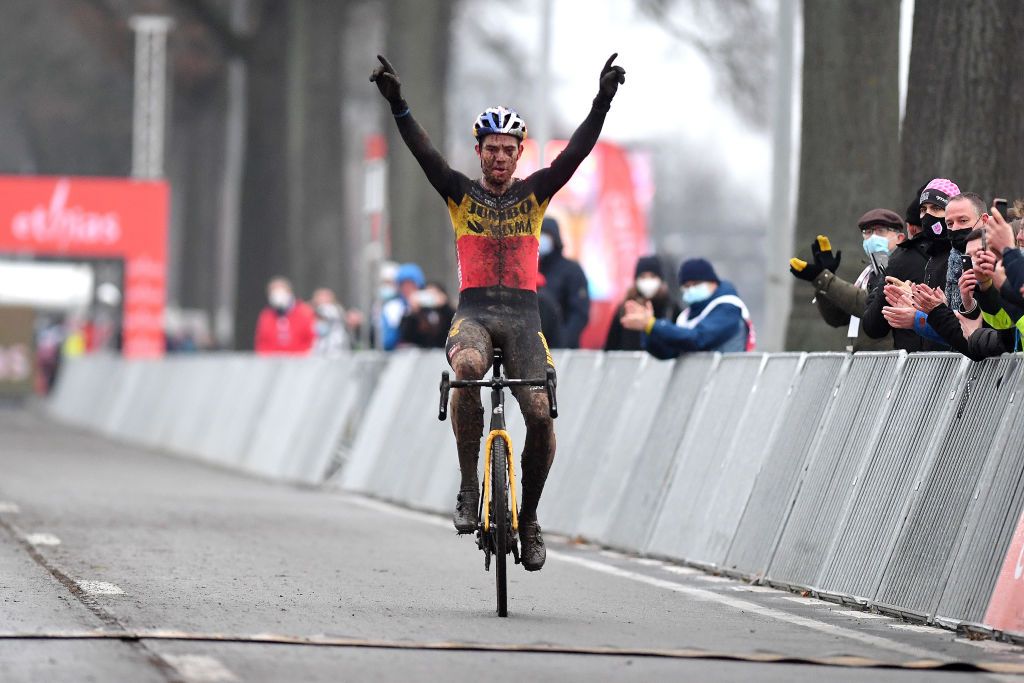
{"x":500,"y":519}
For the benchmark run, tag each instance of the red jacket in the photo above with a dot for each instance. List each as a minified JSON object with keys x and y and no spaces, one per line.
{"x":290,"y":333}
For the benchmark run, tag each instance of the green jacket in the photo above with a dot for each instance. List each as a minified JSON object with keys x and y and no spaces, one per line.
{"x":838,"y":301}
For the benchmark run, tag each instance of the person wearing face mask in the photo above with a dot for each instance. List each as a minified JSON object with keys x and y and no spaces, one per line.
{"x":715,"y":318}
{"x":425,"y":324}
{"x":566,"y":282}
{"x":408,"y":280}
{"x":649,"y":285}
{"x":332,"y":338}
{"x":922,"y":259}
{"x":286,"y":325}
{"x":841,"y":303}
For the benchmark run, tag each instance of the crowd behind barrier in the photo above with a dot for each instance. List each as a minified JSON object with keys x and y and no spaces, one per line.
{"x":890,"y":480}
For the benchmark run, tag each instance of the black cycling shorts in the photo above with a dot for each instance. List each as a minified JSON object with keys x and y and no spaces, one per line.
{"x":504,"y":317}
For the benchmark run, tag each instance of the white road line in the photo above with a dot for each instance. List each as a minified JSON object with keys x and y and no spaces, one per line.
{"x":745,"y":588}
{"x":710,"y":578}
{"x":400,"y":512}
{"x":42,"y":539}
{"x":916,"y":628}
{"x":745,"y":606}
{"x":694,"y":592}
{"x":684,"y":571}
{"x":648,"y":562}
{"x":612,"y":554}
{"x":9,"y":508}
{"x":800,"y":600}
{"x":99,"y":588}
{"x":199,"y":668}
{"x":856,"y":614}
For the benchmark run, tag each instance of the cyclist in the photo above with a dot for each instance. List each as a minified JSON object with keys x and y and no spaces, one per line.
{"x":497,"y":222}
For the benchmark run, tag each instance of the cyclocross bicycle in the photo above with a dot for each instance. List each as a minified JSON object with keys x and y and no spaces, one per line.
{"x":498,"y":532}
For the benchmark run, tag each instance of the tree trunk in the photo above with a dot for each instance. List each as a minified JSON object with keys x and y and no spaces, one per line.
{"x":263,"y":240}
{"x":963,"y":118}
{"x":418,"y":46}
{"x":317,"y":254}
{"x":849,"y":156}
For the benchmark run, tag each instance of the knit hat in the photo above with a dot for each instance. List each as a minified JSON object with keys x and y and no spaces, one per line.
{"x":697,"y":270}
{"x":648,"y":264}
{"x":938,"y":192}
{"x":410,"y":271}
{"x":880,"y":217}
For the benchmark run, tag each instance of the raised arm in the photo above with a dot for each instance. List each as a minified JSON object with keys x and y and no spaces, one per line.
{"x":437,"y":170}
{"x":551,"y":179}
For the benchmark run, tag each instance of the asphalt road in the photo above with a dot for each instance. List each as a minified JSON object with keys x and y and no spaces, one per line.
{"x":98,"y":537}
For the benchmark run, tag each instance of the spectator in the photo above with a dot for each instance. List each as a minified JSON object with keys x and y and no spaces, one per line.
{"x":1008,"y":252}
{"x":649,"y":285}
{"x":426,"y":322}
{"x":332,"y":338}
{"x":550,"y":314}
{"x":566,"y":283}
{"x":963,"y":331}
{"x":285,"y":326}
{"x":387,"y":290}
{"x":841,"y":303}
{"x":913,"y":214}
{"x":923,"y":259}
{"x":715,"y":319}
{"x":408,"y":279}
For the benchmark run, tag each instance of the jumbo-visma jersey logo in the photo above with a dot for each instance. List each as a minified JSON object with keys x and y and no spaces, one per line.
{"x":470,"y":217}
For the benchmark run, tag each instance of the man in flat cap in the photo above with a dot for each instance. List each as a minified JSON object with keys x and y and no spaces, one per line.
{"x":842,"y":303}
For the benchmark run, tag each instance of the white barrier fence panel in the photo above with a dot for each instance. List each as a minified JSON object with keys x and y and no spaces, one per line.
{"x":890,"y":479}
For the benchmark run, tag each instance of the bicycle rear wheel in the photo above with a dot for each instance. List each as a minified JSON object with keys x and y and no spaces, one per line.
{"x":500,"y":519}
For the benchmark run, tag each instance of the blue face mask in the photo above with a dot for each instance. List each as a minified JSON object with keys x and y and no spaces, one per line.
{"x":547,"y":245}
{"x":876,"y":243}
{"x":696,"y":294}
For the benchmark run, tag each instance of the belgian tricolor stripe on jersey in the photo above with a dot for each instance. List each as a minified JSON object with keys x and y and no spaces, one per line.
{"x":497,"y":236}
{"x":497,"y":244}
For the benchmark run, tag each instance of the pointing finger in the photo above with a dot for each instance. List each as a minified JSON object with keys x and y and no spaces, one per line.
{"x":387,"y":65}
{"x":608,"y":64}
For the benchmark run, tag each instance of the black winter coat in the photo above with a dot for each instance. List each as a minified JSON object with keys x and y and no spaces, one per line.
{"x":567,"y":285}
{"x":917,"y":260}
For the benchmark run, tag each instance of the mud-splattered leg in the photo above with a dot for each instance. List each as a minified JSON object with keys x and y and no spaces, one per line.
{"x":469,"y":352}
{"x":538,"y":451}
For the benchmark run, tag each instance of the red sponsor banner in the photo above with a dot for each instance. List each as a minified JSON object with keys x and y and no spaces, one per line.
{"x":1006,"y":608}
{"x":602,"y":216}
{"x":82,"y":218}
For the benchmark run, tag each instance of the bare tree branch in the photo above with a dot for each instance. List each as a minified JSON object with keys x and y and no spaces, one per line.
{"x":733,"y":38}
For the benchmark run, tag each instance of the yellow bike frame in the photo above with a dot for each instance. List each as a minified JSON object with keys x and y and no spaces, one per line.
{"x":511,"y":478}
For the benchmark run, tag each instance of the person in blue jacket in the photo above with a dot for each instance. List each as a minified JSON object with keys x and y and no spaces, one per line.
{"x":715,"y":318}
{"x":409,"y":279}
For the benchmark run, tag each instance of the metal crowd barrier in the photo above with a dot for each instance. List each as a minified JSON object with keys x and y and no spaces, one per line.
{"x":890,"y":480}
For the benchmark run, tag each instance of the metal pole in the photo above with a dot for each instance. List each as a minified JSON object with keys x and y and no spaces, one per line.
{"x":231,"y":193}
{"x":150,"y":103}
{"x":543,"y":98}
{"x":779,"y":230}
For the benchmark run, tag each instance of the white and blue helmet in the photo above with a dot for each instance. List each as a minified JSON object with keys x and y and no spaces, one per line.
{"x":499,"y":121}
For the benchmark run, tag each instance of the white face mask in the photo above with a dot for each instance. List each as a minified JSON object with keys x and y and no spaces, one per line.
{"x":280,"y":299}
{"x":648,"y":286}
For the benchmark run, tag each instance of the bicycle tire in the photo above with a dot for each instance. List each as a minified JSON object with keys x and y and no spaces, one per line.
{"x":500,"y":520}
